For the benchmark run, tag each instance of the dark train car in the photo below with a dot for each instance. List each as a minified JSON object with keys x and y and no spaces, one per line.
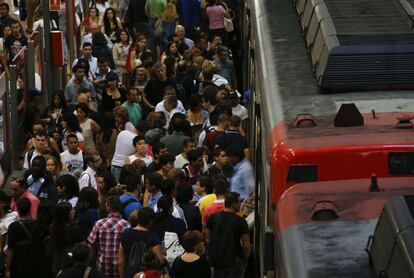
{"x":308,"y":59}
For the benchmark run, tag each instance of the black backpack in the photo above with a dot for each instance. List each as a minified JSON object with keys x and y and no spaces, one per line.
{"x":133,"y":265}
{"x":221,"y":250}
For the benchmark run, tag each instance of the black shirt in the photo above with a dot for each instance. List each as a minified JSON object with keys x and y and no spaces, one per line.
{"x":182,"y":269}
{"x":154,"y":90}
{"x":169,"y":224}
{"x":225,"y":218}
{"x":192,"y":216}
{"x":14,"y":45}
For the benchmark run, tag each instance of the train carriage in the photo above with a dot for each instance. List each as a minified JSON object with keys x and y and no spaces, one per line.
{"x":333,"y":84}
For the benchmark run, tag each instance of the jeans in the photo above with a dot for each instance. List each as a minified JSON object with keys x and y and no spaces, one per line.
{"x":234,"y":271}
{"x":116,"y":171}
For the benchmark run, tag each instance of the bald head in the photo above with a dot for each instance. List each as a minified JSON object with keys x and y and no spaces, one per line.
{"x":94,"y":27}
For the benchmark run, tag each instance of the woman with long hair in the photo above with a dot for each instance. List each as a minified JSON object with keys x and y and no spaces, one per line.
{"x":53,"y":165}
{"x":93,"y":17}
{"x":63,"y":235}
{"x":196,"y":115}
{"x":120,"y":52}
{"x":111,"y":25}
{"x":135,"y":51}
{"x":139,"y":79}
{"x":171,"y":50}
{"x":70,"y":125}
{"x":86,"y":210}
{"x":106,"y":139}
{"x":52,"y":114}
{"x":101,"y":6}
{"x":68,"y":189}
{"x":89,"y":127}
{"x":112,"y":95}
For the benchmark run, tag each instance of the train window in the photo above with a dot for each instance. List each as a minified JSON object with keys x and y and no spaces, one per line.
{"x":401,"y":163}
{"x":303,"y":173}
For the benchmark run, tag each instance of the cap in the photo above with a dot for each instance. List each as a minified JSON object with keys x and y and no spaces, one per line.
{"x":219,"y":80}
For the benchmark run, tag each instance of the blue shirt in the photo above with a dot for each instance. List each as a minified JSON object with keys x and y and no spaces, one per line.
{"x":131,"y":206}
{"x":242,"y":180}
{"x":153,"y":200}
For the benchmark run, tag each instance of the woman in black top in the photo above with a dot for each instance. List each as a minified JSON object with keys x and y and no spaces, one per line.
{"x":191,"y":263}
{"x":63,"y":235}
{"x":112,"y":95}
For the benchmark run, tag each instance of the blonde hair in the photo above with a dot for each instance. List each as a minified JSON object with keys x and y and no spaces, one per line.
{"x":170,"y":13}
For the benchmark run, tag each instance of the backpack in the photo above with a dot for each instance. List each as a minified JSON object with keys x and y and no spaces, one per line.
{"x":221,"y":251}
{"x":124,"y":204}
{"x":172,"y":247}
{"x":133,"y":265}
{"x":29,"y":156}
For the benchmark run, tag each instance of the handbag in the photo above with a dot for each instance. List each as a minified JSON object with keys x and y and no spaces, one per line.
{"x":228,"y":24}
{"x":159,"y":31}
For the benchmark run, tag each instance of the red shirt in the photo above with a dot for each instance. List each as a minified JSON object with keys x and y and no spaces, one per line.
{"x":34,"y":201}
{"x":217,"y":206}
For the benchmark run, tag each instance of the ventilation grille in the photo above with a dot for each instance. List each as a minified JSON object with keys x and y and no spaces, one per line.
{"x":359,"y":44}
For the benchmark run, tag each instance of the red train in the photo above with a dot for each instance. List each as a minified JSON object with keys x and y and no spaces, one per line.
{"x":333,"y":102}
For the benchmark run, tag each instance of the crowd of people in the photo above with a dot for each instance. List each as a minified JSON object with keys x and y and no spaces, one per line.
{"x":140,"y":167}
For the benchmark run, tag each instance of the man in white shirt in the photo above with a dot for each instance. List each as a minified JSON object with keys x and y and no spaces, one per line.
{"x":93,"y":61}
{"x":94,"y":162}
{"x":39,"y":147}
{"x":169,"y":90}
{"x":180,"y":33}
{"x":72,"y":158}
{"x":181,"y":159}
{"x":170,"y":106}
{"x":123,"y":148}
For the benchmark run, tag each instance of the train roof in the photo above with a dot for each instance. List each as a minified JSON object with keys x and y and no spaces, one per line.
{"x":289,"y":86}
{"x":335,"y":248}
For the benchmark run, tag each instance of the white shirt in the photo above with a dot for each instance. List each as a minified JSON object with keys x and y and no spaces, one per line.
{"x":160,"y":107}
{"x":241,"y":111}
{"x":123,"y":147}
{"x":87,"y":178}
{"x":73,"y":162}
{"x":180,"y":161}
{"x":7,"y":220}
{"x":26,"y":161}
{"x":147,"y":159}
